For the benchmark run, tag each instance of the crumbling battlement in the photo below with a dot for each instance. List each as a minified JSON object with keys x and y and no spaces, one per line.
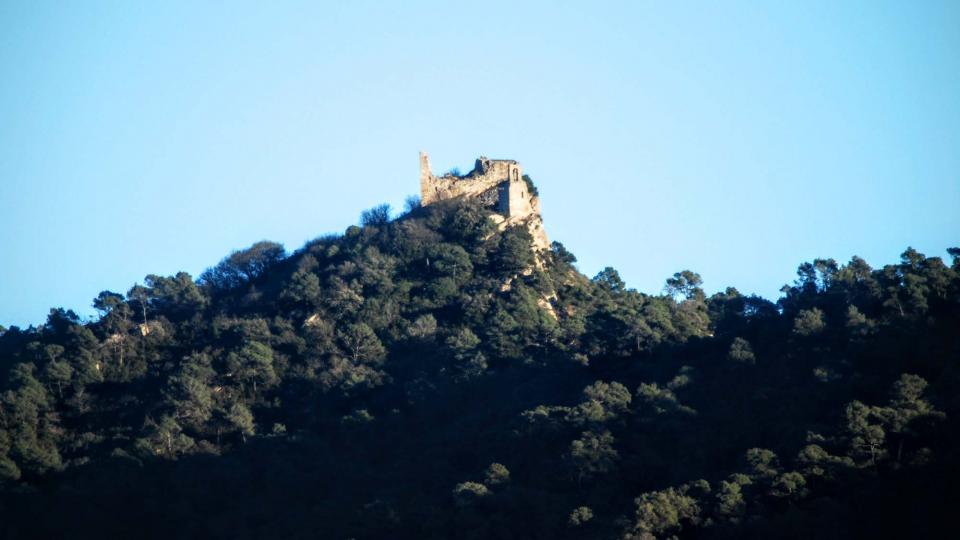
{"x":498,"y":183}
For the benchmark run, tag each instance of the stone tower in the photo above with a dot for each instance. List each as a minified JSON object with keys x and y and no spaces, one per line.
{"x":498,"y":184}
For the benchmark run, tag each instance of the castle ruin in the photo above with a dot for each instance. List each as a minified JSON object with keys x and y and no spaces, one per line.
{"x":499,"y":184}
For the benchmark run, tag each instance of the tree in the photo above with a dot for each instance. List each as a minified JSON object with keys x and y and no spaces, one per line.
{"x":580,"y":516}
{"x":176,"y":295}
{"x":464,"y":345}
{"x":866,"y":434}
{"x":661,"y":400}
{"x":502,"y":335}
{"x":515,"y":252}
{"x":243,"y":266}
{"x":907,"y":409}
{"x":59,"y":373}
{"x":468,"y":493}
{"x":423,"y":328}
{"x":954,"y":253}
{"x":815,"y":461}
{"x":362,"y":344}
{"x":190,"y":393}
{"x":610,"y":279}
{"x":27,"y":415}
{"x":241,"y":419}
{"x":495,"y":475}
{"x":347,"y":375}
{"x":741,"y":352}
{"x":684,"y":284}
{"x":9,"y":472}
{"x":449,"y":260}
{"x":561,"y":254}
{"x":858,"y":323}
{"x":115,"y":319}
{"x":107,"y":301}
{"x":809,"y":322}
{"x":659,"y":512}
{"x":467,"y":224}
{"x":376,"y":216}
{"x":593,"y":454}
{"x":604,"y":401}
{"x":762,"y":463}
{"x":165,"y":438}
{"x":730,"y":501}
{"x":304,"y":288}
{"x":825,"y":271}
{"x":790,"y":485}
{"x":411,"y":203}
{"x":253,"y":365}
{"x":140,"y":296}
{"x":343,"y":299}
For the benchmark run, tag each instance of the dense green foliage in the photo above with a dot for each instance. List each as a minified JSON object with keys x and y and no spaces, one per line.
{"x":426,"y":377}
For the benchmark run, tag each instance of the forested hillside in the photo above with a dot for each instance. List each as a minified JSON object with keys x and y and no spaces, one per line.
{"x":429,"y":377}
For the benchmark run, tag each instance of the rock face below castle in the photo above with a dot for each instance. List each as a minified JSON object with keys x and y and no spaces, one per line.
{"x":499,"y":184}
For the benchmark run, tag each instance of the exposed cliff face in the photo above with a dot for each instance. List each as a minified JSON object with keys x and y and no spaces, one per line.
{"x":499,"y":184}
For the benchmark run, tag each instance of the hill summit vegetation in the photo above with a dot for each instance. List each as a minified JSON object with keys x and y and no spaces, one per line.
{"x":432,"y":376}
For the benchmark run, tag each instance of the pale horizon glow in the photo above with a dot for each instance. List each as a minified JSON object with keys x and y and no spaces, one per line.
{"x":735,"y":140}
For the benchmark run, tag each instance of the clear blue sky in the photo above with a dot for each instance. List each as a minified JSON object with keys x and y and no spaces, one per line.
{"x":734,"y":139}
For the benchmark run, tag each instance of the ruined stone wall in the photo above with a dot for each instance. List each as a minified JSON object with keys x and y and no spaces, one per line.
{"x":486,"y":175}
{"x":515,"y":204}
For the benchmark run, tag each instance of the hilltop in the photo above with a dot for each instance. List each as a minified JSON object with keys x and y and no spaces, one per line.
{"x":449,"y":373}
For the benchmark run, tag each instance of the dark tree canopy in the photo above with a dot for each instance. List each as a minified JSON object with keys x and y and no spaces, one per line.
{"x":431,"y":376}
{"x":243,"y":266}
